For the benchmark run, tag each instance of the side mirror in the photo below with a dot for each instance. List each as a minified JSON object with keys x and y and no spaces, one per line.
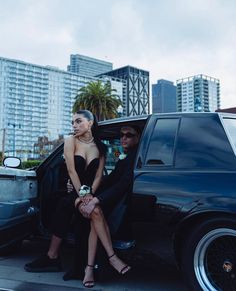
{"x":11,"y":162}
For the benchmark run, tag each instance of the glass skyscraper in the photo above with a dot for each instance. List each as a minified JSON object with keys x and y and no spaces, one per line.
{"x":36,"y":101}
{"x":163,"y":97}
{"x":198,"y":93}
{"x":87,"y":66}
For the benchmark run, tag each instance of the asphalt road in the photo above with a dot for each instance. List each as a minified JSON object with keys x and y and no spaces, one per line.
{"x":148,"y":273}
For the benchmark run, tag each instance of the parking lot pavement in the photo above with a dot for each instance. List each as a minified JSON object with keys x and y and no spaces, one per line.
{"x":15,"y":285}
{"x":148,"y":273}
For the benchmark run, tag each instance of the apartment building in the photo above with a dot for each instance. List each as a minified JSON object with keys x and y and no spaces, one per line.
{"x":198,"y":93}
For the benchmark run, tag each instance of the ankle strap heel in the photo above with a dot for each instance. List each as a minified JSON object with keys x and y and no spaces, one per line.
{"x":111,"y":256}
{"x":91,"y":266}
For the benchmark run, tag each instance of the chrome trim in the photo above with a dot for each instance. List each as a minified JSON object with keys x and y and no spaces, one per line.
{"x":200,"y":252}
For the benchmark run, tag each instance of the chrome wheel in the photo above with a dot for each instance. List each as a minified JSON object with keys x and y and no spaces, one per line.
{"x":215,"y":260}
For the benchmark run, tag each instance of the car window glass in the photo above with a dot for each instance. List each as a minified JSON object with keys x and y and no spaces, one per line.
{"x":161,"y":145}
{"x":230,"y":124}
{"x":203,"y":144}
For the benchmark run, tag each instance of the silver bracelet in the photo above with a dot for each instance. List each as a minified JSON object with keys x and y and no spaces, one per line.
{"x":84,"y":190}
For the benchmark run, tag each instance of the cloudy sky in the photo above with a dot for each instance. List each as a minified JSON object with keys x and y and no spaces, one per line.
{"x":169,"y":38}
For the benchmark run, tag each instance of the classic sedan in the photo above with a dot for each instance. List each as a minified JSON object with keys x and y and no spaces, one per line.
{"x":184,"y":193}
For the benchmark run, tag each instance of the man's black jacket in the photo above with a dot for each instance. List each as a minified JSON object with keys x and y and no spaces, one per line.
{"x":115,"y":195}
{"x":118,"y":183}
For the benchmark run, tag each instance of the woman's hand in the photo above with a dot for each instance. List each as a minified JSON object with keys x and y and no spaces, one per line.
{"x":85,"y":199}
{"x":82,"y":201}
{"x":86,"y":210}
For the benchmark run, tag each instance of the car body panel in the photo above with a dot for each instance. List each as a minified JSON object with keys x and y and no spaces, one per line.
{"x":200,"y":181}
{"x":17,"y":184}
{"x":18,"y":190}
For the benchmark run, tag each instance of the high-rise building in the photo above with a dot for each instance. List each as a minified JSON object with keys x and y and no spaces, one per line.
{"x":87,"y":66}
{"x":36,"y":101}
{"x":198,"y":93}
{"x":163,"y":97}
{"x":120,"y":87}
{"x":136,"y":97}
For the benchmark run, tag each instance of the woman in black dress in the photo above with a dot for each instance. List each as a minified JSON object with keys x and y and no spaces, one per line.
{"x":85,"y":159}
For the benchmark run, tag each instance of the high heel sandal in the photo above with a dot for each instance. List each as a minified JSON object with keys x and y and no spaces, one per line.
{"x":90,"y":283}
{"x":123,"y":270}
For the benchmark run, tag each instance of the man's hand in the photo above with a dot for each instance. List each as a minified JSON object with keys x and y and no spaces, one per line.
{"x":87,"y":209}
{"x":77,"y":202}
{"x":69,"y":186}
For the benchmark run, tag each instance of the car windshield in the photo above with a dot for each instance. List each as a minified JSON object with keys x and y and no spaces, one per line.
{"x":230,"y":124}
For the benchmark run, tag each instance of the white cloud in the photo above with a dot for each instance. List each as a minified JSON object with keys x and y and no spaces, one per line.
{"x":172,"y":39}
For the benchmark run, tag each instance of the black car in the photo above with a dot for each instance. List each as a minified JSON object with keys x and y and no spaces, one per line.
{"x":184,"y":193}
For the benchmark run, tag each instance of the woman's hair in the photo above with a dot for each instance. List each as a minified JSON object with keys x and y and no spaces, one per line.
{"x":95,"y":130}
{"x":86,"y":113}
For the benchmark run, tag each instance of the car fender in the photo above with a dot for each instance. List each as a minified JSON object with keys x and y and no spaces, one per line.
{"x":205,"y":209}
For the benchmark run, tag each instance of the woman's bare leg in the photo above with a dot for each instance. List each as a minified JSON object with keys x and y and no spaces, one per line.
{"x":92,"y":248}
{"x":102,"y":230}
{"x":92,"y":245}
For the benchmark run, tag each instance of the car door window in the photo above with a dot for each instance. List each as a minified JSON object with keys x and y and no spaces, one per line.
{"x":161,"y":145}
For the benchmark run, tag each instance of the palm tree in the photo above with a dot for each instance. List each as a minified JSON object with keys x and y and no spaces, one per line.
{"x":99,"y":98}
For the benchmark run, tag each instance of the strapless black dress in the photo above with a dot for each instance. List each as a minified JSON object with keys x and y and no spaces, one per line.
{"x":85,"y":172}
{"x":66,"y":205}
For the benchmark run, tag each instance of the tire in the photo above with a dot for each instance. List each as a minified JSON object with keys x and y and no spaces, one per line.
{"x":209,"y":256}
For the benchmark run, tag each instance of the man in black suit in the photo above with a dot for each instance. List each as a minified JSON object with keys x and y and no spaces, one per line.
{"x":113,"y":197}
{"x":118,"y":184}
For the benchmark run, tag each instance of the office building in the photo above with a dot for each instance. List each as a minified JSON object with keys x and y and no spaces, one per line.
{"x":36,"y":101}
{"x":136,"y":97}
{"x":163,"y":97}
{"x":198,"y":93}
{"x":87,"y":66}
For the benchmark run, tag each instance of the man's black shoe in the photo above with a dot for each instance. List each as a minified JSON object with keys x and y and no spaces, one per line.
{"x":44,"y":264}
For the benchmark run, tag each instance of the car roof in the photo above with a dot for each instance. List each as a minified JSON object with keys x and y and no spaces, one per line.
{"x":145,"y":117}
{"x":124,"y":119}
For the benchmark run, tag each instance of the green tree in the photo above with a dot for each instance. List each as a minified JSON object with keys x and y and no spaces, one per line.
{"x":99,"y":98}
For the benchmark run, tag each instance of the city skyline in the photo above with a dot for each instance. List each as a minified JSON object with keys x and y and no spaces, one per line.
{"x":170,"y":39}
{"x":36,"y":102}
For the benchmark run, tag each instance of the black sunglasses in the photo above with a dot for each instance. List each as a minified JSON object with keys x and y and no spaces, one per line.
{"x":127,"y":135}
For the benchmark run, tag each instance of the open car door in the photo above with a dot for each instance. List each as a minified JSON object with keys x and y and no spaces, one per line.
{"x":18,"y":192}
